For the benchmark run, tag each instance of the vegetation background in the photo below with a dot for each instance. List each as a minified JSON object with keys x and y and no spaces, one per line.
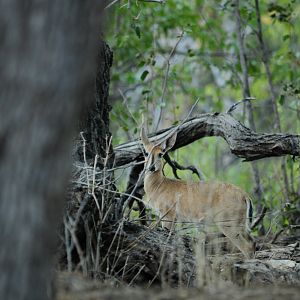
{"x":169,"y":56}
{"x":169,"y":53}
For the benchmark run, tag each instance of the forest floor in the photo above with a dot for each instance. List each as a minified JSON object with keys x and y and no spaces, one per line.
{"x":273,"y":274}
{"x":75,"y":287}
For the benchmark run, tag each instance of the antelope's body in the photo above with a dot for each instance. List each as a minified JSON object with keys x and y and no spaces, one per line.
{"x":222,"y":204}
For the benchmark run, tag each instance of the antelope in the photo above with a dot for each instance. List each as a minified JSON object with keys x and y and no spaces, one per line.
{"x":223,"y":204}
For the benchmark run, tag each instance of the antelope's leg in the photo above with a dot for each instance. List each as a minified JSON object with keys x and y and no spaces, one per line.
{"x":239,"y":237}
{"x":168,"y":222}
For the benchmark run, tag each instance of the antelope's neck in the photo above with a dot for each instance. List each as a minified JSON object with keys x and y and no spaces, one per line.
{"x":153,"y":181}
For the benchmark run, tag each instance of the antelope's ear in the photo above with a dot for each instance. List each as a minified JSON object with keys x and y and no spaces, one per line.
{"x":144,"y":137}
{"x":170,"y":142}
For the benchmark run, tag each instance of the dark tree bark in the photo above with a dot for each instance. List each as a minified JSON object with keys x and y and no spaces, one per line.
{"x":47,"y":61}
{"x":95,"y":127}
{"x":90,"y":208}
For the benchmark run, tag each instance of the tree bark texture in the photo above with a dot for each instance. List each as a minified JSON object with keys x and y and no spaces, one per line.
{"x":89,"y":208}
{"x":241,"y":140}
{"x":95,"y":127}
{"x":47,"y":60}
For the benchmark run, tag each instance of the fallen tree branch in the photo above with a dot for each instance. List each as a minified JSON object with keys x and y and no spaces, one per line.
{"x":242,"y":141}
{"x":259,"y":218}
{"x":277,"y":235}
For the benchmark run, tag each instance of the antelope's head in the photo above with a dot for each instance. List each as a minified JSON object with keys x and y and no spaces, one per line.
{"x":155,"y":152}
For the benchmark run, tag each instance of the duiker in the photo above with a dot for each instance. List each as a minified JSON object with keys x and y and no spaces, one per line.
{"x":222,"y":204}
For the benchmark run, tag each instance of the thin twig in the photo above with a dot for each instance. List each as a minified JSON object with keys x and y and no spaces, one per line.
{"x":165,"y":82}
{"x":111,"y":4}
{"x":111,"y":244}
{"x":68,"y":245}
{"x":136,"y":275}
{"x":154,"y":1}
{"x":77,"y":246}
{"x":84,"y":158}
{"x":125,"y":100}
{"x":277,"y":235}
{"x":175,"y":129}
{"x":93,"y":185}
{"x":162,"y":259}
{"x":234,"y":106}
{"x":259,"y":218}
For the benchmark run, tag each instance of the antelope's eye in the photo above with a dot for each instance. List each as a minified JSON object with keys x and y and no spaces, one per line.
{"x":160,"y":155}
{"x":146,"y":154}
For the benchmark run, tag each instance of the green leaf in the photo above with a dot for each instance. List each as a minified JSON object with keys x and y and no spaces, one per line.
{"x":285,"y":37}
{"x":125,"y":128}
{"x":138,"y":31}
{"x":191,"y":53}
{"x":285,"y":223}
{"x":144,"y":92}
{"x":141,"y":63}
{"x":281,"y":99}
{"x":144,"y":75}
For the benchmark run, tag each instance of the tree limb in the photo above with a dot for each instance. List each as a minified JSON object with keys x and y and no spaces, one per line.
{"x":242,"y":141}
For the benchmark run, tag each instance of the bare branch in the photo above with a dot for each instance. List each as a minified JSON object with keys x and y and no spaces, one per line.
{"x":243,"y":142}
{"x":277,"y":235}
{"x":165,"y":82}
{"x":235,"y":105}
{"x":154,"y":1}
{"x":259,"y":218}
{"x":149,"y":1}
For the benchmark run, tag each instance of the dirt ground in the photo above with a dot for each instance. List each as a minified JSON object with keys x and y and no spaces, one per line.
{"x":75,"y":287}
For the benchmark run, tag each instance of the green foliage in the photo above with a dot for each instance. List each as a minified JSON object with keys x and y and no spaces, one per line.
{"x":205,"y":64}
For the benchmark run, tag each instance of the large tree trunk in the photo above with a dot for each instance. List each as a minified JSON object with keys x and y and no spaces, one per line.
{"x":47,"y":61}
{"x":90,"y":208}
{"x":95,"y":127}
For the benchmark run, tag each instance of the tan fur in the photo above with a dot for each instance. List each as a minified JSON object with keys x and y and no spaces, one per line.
{"x":220,"y":203}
